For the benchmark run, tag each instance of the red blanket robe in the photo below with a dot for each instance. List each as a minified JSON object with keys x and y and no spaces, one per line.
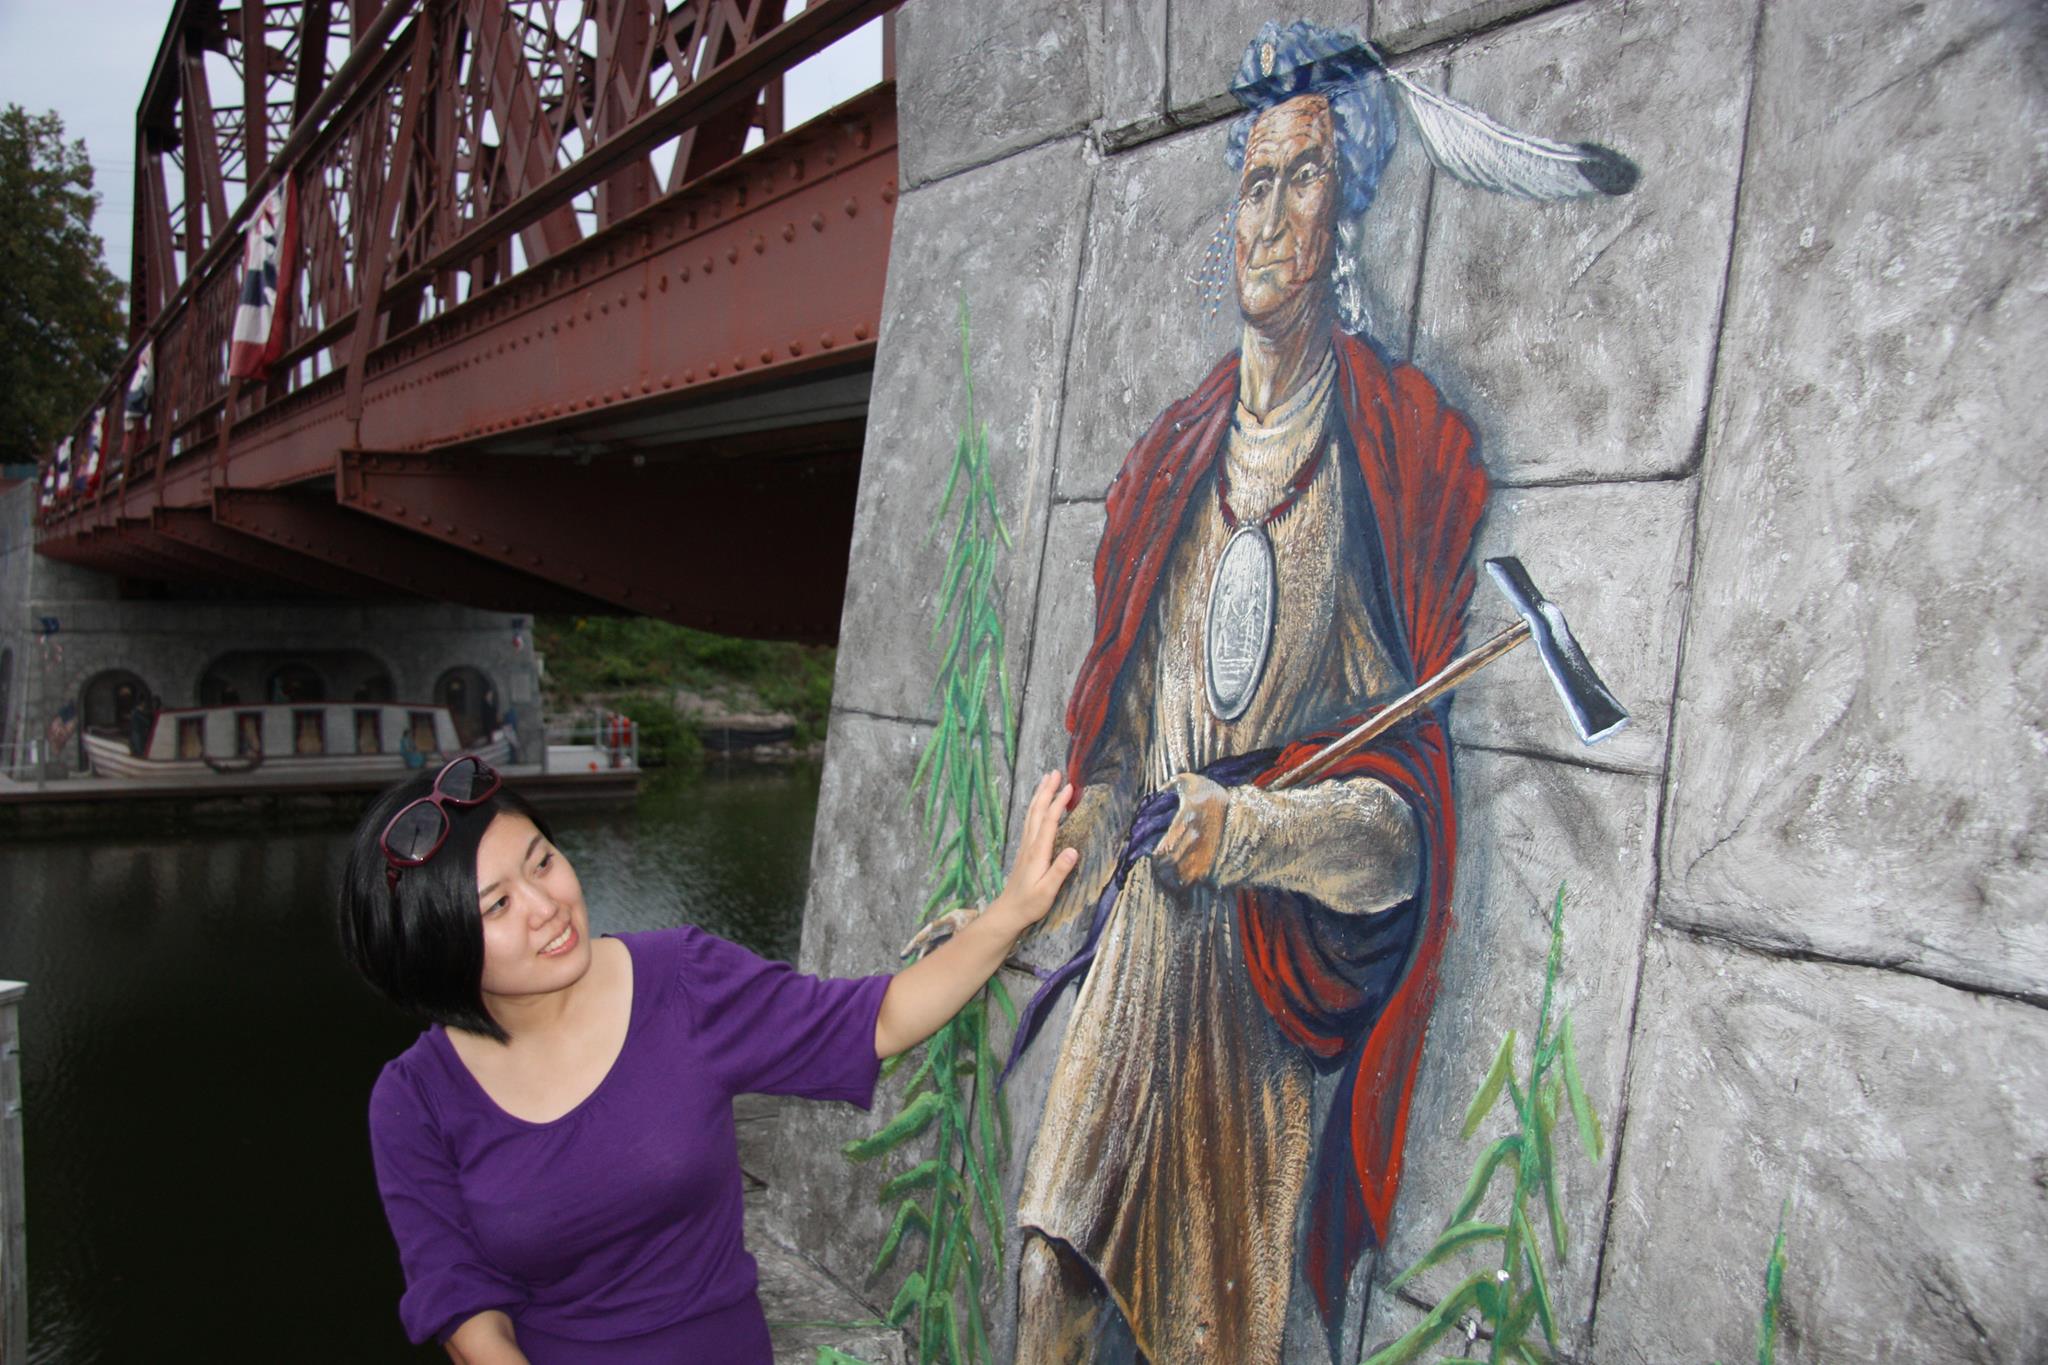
{"x":1428,"y":491}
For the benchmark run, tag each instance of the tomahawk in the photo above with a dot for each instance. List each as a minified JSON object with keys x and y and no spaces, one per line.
{"x":1595,"y":714}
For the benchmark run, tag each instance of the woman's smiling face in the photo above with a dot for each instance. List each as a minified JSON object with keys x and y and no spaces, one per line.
{"x":536,"y":927}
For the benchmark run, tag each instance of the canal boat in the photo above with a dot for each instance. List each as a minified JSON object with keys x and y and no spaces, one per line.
{"x":287,"y":739}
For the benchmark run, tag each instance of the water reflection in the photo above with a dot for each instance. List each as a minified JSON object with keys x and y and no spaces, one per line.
{"x":196,"y":1059}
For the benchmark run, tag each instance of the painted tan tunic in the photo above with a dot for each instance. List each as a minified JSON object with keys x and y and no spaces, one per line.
{"x":1175,"y":1141}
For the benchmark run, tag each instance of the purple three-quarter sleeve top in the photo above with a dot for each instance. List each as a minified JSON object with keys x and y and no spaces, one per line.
{"x":611,"y":1236}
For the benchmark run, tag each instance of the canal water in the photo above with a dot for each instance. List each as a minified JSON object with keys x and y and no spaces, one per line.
{"x":197,"y":1058}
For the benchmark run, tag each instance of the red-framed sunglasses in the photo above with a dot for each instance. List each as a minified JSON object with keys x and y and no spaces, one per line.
{"x":419,"y":829}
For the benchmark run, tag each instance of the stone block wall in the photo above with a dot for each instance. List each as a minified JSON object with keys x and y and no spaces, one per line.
{"x":1761,"y":426}
{"x":169,"y":644}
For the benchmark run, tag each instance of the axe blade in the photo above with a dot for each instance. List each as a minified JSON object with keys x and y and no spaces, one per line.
{"x":1594,"y":711}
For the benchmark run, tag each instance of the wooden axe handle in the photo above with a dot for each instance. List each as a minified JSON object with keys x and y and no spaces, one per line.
{"x":1314,"y":765}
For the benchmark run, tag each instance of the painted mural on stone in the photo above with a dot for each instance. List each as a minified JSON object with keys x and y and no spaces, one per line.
{"x":1268,"y":831}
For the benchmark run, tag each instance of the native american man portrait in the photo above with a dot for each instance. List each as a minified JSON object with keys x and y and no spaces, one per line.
{"x":1285,"y":550}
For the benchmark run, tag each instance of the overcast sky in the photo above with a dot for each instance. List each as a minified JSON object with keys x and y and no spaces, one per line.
{"x":88,"y":60}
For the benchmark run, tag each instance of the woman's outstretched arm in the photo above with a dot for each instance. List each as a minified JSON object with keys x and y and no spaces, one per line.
{"x":485,"y":1339}
{"x":924,"y":995}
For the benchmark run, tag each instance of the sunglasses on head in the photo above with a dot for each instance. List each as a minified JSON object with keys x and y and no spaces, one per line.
{"x":419,"y":829}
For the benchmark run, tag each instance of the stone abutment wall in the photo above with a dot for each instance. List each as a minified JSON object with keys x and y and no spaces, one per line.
{"x":1763,"y":427}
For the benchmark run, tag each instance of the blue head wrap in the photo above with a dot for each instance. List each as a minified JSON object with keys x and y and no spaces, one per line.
{"x":1285,"y":61}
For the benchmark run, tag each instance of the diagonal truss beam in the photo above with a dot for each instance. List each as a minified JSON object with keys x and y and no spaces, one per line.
{"x":781,"y":525}
{"x":260,"y":559}
{"x":312,"y":524}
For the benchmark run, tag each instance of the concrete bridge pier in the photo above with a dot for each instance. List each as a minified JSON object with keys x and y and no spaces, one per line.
{"x":13,"y":1226}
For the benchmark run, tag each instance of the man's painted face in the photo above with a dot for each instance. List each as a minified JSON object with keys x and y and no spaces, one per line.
{"x":1286,"y":206}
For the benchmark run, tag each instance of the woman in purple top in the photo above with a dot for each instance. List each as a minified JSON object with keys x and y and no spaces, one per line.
{"x":556,"y":1153}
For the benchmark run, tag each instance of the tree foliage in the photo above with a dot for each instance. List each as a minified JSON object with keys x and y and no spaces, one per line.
{"x":61,"y":323}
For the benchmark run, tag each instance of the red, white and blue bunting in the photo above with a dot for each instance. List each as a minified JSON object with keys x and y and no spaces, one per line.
{"x":141,"y":388}
{"x":64,"y":468}
{"x":89,"y":476}
{"x":268,"y":250}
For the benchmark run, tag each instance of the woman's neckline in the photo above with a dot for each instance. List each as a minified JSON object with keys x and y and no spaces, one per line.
{"x":453,"y":1058}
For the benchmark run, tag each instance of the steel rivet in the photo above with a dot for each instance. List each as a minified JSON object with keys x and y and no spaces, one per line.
{"x":732,"y":255}
{"x":852,"y":206}
{"x":825,"y":340}
{"x":818,"y":221}
{"x":796,"y":348}
{"x":789,"y":232}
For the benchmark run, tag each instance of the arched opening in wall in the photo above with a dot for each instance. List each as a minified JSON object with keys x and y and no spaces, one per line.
{"x":248,"y":677}
{"x":217,"y":689}
{"x":295,"y":681}
{"x":472,"y":699}
{"x":118,"y":703}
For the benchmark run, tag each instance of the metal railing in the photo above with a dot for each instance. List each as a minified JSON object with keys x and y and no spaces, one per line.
{"x":461,"y":144}
{"x":608,"y":741}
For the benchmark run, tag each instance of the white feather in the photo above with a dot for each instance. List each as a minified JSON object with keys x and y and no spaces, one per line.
{"x":1467,"y":145}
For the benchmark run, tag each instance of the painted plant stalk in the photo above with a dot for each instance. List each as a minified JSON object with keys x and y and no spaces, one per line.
{"x":952,"y":1200}
{"x":1512,"y":1297}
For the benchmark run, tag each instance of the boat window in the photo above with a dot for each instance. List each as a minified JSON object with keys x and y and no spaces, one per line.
{"x":369,"y":734}
{"x":309,"y":732}
{"x":423,"y":737}
{"x":248,"y":734}
{"x":191,"y":737}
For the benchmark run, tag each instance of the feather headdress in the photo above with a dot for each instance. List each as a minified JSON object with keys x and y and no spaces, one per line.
{"x":1301,"y":58}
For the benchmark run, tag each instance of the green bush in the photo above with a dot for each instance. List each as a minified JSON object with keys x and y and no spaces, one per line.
{"x":598,"y":654}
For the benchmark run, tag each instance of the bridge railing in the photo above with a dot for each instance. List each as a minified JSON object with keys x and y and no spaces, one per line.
{"x":461,"y":144}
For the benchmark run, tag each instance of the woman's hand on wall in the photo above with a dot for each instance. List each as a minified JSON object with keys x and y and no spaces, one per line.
{"x":1038,"y":871}
{"x":924,"y":995}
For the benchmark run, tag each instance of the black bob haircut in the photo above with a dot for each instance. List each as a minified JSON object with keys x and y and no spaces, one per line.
{"x":423,"y":947}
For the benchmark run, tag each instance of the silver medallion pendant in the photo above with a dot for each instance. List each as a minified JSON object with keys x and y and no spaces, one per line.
{"x":1238,"y":633}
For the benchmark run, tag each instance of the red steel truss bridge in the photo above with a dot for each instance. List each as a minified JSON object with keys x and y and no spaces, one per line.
{"x":576,"y":324}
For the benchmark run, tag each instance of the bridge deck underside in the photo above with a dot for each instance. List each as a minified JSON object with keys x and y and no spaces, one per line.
{"x":544,"y":445}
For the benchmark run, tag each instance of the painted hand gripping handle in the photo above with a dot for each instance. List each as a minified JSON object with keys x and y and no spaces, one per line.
{"x":1595,"y":714}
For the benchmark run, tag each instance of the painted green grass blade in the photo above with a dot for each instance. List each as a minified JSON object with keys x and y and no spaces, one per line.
{"x":909,"y":1122}
{"x":930,"y":1173}
{"x":909,"y":1214}
{"x":1411,"y":1344}
{"x":1507,"y":1150}
{"x":1515,"y":1323}
{"x":1539,"y":1283}
{"x":830,"y":1355}
{"x":1489,"y":1090}
{"x":1582,"y":1109}
{"x":907,"y":1298}
{"x":1449,"y":1243}
{"x":1546,"y":1172}
{"x":1774,"y":1294}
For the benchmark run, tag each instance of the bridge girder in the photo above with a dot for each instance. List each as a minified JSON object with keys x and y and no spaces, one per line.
{"x":665,"y":537}
{"x":310,"y":523}
{"x":450,"y":300}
